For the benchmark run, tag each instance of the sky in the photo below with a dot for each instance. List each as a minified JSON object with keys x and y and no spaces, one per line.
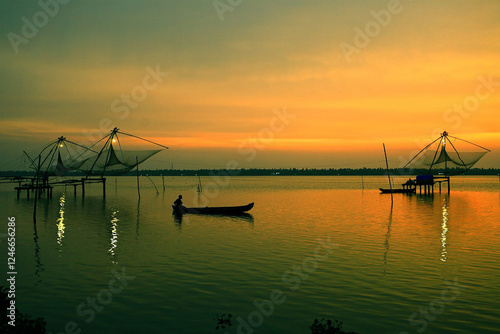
{"x":268,"y":84}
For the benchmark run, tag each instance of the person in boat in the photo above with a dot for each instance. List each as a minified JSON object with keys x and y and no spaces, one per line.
{"x":178,"y":201}
{"x":410,"y":182}
{"x":178,"y":207}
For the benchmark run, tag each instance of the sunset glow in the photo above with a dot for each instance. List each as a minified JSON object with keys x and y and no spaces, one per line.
{"x":179,"y":75}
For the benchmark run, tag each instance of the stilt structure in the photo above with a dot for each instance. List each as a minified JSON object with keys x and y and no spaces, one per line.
{"x":62,"y":156}
{"x":444,"y":153}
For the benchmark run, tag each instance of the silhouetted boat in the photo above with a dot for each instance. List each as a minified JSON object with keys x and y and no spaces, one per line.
{"x":222,"y":210}
{"x":398,"y":191}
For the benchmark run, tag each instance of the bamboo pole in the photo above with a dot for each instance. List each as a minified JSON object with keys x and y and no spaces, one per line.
{"x":154,"y":185}
{"x":388,"y":173}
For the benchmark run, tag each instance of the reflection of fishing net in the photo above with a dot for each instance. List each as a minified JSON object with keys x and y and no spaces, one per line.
{"x":447,"y":152}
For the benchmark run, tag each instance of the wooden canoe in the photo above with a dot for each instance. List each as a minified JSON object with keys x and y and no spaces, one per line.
{"x":222,"y":210}
{"x":398,"y":191}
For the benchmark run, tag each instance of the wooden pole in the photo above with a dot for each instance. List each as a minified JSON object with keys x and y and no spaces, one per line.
{"x":163,"y":181}
{"x":362,"y":183}
{"x":388,"y":173}
{"x":154,"y":185}
{"x":138,"y":191}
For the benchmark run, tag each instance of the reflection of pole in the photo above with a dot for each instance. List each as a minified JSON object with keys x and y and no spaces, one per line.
{"x":388,"y":173}
{"x":137,"y":221}
{"x":36,"y":189}
{"x":138,"y":191}
{"x":103,"y":187}
{"x":200,"y":188}
{"x":387,"y":237}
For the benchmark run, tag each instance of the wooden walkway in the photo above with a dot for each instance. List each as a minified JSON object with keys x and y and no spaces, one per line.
{"x":47,"y":187}
{"x":31,"y":187}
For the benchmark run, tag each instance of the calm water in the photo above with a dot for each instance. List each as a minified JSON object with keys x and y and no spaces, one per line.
{"x":428,"y":263}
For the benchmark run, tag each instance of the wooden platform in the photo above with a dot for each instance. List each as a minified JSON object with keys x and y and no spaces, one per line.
{"x":30,"y":187}
{"x":426,"y":181}
{"x":17,"y":179}
{"x":49,"y":186}
{"x":428,"y":184}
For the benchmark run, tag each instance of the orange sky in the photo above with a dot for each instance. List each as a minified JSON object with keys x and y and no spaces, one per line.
{"x":425,"y":71}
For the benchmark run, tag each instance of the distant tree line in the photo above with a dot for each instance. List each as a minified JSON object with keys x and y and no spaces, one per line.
{"x":312,"y":171}
{"x":284,"y":172}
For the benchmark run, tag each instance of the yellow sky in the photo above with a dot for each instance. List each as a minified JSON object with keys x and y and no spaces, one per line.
{"x":430,"y":67}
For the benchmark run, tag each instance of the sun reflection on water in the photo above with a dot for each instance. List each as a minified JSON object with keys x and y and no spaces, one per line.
{"x":60,"y":221}
{"x":444,"y":232}
{"x":114,"y":233}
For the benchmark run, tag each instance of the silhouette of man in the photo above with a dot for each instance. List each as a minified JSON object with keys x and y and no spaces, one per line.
{"x":178,"y":207}
{"x":178,"y":201}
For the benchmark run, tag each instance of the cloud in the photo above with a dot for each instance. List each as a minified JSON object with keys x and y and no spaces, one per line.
{"x":226,"y":77}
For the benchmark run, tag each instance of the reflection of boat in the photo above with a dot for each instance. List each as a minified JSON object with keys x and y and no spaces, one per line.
{"x":223,"y":210}
{"x":398,"y":191}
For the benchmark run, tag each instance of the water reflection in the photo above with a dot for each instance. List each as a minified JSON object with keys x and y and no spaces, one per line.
{"x":186,"y":219}
{"x":39,"y":266}
{"x":178,"y":221}
{"x":246,"y":217}
{"x":114,"y":234}
{"x":137,"y":220}
{"x":444,"y":230}
{"x":60,"y":221}
{"x":387,"y":237}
